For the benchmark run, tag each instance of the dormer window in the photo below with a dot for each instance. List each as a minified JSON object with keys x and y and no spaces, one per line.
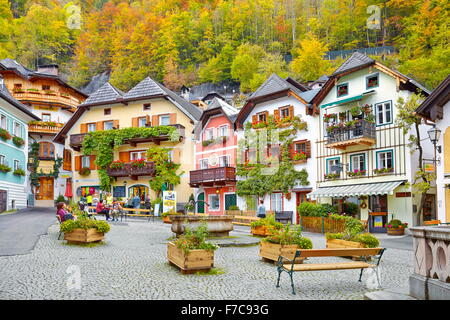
{"x":342,"y":89}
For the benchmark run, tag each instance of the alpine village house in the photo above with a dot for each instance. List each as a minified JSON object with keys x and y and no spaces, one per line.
{"x":147,"y":105}
{"x":362,"y":154}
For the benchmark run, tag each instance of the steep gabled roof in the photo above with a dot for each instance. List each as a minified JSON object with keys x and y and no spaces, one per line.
{"x":145,"y":88}
{"x":432,"y":107}
{"x":220,"y":104}
{"x":105,"y":94}
{"x":272,"y":85}
{"x":356,"y":60}
{"x":216,"y":107}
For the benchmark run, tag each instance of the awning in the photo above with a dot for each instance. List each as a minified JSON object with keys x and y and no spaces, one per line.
{"x":366,"y":189}
{"x":355,"y":98}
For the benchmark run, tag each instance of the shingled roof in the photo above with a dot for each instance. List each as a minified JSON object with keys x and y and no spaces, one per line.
{"x":146,"y":88}
{"x":274,"y":84}
{"x":6,"y":95}
{"x":356,"y":60}
{"x":105,"y":94}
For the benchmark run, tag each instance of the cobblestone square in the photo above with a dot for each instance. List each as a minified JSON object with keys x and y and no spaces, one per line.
{"x":132,"y":264}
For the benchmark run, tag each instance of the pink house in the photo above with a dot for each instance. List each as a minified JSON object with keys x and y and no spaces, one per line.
{"x":215,"y":159}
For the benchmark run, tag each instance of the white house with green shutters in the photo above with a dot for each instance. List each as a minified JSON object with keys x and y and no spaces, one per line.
{"x":14,"y":118}
{"x":363,"y":156}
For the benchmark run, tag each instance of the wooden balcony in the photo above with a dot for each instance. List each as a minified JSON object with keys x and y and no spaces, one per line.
{"x":76,"y":140}
{"x":362,"y":133}
{"x":133,"y":172}
{"x":44,"y":128}
{"x":56,"y":98}
{"x":212,"y":177}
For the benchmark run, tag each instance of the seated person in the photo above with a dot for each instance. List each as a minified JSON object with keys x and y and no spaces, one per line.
{"x":116,"y":209}
{"x":62,"y":212}
{"x":102,"y":209}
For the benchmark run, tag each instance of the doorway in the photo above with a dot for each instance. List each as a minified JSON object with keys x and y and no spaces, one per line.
{"x":201,"y":203}
{"x":230,"y":200}
{"x":46,"y":188}
{"x":139,"y":190}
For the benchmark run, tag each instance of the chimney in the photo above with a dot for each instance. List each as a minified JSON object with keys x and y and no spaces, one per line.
{"x":48,"y":69}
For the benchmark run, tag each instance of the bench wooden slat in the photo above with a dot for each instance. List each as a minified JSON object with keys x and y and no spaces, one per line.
{"x":343,"y":252}
{"x":328,"y":266}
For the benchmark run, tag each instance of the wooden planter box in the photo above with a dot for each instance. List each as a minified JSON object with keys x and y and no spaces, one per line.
{"x":396,"y":231}
{"x":84,"y":236}
{"x":166,"y":219}
{"x":194,"y":261}
{"x":271,"y":251}
{"x":260,"y":231}
{"x":338,"y":243}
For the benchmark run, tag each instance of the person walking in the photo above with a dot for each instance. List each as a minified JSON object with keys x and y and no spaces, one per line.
{"x":261,"y":212}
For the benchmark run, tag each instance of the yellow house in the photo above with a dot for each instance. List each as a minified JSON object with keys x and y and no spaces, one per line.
{"x":149,"y":104}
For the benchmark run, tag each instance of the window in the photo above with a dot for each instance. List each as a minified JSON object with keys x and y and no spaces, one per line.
{"x":85,"y":161}
{"x":209,"y":134}
{"x":170,"y":154}
{"x":67,"y":158}
{"x":46,"y":150}
{"x":164,"y":120}
{"x":342,"y":89}
{"x":136,"y":155}
{"x":274,"y":151}
{"x":372,"y":81}
{"x":91,"y":127}
{"x":383,"y":113}
{"x":3,"y":121}
{"x":45,"y":87}
{"x":276,"y":202}
{"x":203,"y":163}
{"x":385,"y":159}
{"x":46,"y":117}
{"x":17,"y":86}
{"x":261,"y":117}
{"x":214,"y":202}
{"x":16,"y":165}
{"x":284,"y":112}
{"x":17,"y":129}
{"x":333,"y":165}
{"x":147,"y":106}
{"x":107,"y":111}
{"x":358,"y":162}
{"x":2,"y":159}
{"x":108,"y":125}
{"x":142,"y":122}
{"x":224,"y":161}
{"x":223,"y":131}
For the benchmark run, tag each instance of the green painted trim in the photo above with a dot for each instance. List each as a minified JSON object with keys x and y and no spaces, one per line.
{"x":372,"y":75}
{"x":376,"y":113}
{"x":342,"y":101}
{"x":386,"y":150}
{"x":355,"y":155}
{"x":340,"y":85}
{"x":327,"y":159}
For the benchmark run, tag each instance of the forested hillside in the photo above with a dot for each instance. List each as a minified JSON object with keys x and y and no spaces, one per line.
{"x":193,"y":41}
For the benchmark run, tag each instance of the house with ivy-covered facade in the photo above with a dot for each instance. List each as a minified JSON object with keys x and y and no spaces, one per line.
{"x":14,"y":119}
{"x":364,"y":164}
{"x":276,"y":130}
{"x":111,"y":132}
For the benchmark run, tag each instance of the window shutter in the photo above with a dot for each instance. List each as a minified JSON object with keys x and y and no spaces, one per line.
{"x":135,"y":122}
{"x":99,"y":126}
{"x":83,"y":128}
{"x":155,"y":121}
{"x":308,"y":148}
{"x":92,"y":162}
{"x":173,"y":118}
{"x":116,"y":124}
{"x":276,"y":113}
{"x":254,"y":118}
{"x":124,"y":156}
{"x":267,"y":115}
{"x":77,"y":163}
{"x":147,"y":120}
{"x":176,"y":155}
{"x":291,"y":111}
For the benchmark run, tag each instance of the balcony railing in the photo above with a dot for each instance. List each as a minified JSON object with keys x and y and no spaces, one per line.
{"x":44,"y":128}
{"x":76,"y":140}
{"x":133,"y":172}
{"x":42,"y":96}
{"x":362,"y":132}
{"x":212,"y":176}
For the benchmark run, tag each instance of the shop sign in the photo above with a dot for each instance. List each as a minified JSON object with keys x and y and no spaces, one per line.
{"x":169,"y":201}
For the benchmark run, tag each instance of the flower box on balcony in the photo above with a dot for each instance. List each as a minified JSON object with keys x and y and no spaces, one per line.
{"x":357,"y":173}
{"x":4,"y":134}
{"x":331,"y":176}
{"x":383,"y":171}
{"x":18,"y":141}
{"x":50,"y":92}
{"x":117,"y":165}
{"x":85,"y":171}
{"x":36,"y":91}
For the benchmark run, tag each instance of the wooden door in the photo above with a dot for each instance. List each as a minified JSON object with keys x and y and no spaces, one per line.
{"x":45,"y":189}
{"x":3,"y":200}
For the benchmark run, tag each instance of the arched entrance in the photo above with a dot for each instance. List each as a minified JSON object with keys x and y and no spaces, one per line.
{"x":201,"y":203}
{"x":138,"y":189}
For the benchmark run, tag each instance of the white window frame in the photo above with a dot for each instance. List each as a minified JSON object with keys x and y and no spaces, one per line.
{"x":43,"y":115}
{"x":223,"y":131}
{"x":85,"y":160}
{"x":164,"y":116}
{"x":89,"y":127}
{"x":2,"y":159}
{"x":210,"y":202}
{"x":19,"y":126}
{"x":221,"y":164}
{"x":276,"y":201}
{"x":3,"y":125}
{"x":383,"y":111}
{"x":381,"y":162}
{"x":209,"y":134}
{"x":104,"y":125}
{"x":203,"y":163}
{"x":142,"y":122}
{"x":136,"y":155}
{"x":358,"y":156}
{"x":328,"y":165}
{"x":16,"y":165}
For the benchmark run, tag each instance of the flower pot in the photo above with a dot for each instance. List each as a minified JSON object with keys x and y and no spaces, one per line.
{"x":194,"y":261}
{"x":83,"y":236}
{"x":396,"y":231}
{"x":271,"y":251}
{"x":260,"y":231}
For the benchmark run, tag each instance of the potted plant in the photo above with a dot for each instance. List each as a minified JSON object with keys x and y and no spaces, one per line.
{"x":356,"y":173}
{"x":356,"y":111}
{"x":265,"y":226}
{"x":285,"y":241}
{"x":118,"y":164}
{"x":19,"y":172}
{"x":33,"y":90}
{"x":299,"y":156}
{"x":191,"y":252}
{"x":166,"y":216}
{"x":18,"y":141}
{"x":84,"y":230}
{"x":139,"y":163}
{"x":383,"y":170}
{"x":4,"y":168}
{"x":331,"y":176}
{"x":370,"y":118}
{"x":206,"y":143}
{"x":4,"y":134}
{"x":328,"y":117}
{"x":396,"y":228}
{"x":85,"y":171}
{"x":367,"y":109}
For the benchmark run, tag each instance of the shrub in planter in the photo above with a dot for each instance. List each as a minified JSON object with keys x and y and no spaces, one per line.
{"x":5,"y":168}
{"x":85,"y":171}
{"x":19,"y":172}
{"x":396,"y":227}
{"x":367,"y":239}
{"x":4,"y":134}
{"x":84,"y":230}
{"x":265,"y":226}
{"x":233,"y":208}
{"x":140,"y":163}
{"x":18,"y":141}
{"x":195,"y":239}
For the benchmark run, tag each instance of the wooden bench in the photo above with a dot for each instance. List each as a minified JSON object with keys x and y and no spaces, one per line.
{"x":244,"y":220}
{"x":124,"y":213}
{"x":432,"y":223}
{"x":284,"y":216}
{"x":364,"y":253}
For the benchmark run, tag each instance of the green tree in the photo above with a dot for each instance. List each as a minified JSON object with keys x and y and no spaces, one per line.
{"x":165,"y":170}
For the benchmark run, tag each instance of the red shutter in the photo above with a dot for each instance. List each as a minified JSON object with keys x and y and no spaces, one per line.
{"x":92,"y":163}
{"x":99,"y":126}
{"x":155,"y":121}
{"x":254,"y":119}
{"x":276,"y":114}
{"x":291,"y":112}
{"x":173,"y":118}
{"x":147,"y":120}
{"x":124,"y":156}
{"x":77,"y":163}
{"x":83,"y":128}
{"x":135,"y":122}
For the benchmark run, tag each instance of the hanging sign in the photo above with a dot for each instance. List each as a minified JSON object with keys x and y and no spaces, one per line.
{"x":169,"y":201}
{"x":429,"y":167}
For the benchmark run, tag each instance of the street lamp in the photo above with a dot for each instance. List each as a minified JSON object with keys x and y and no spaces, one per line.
{"x":434,"y":134}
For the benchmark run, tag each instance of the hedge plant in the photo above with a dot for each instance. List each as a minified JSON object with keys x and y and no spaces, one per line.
{"x":268,"y":221}
{"x":289,"y":235}
{"x":195,"y":239}
{"x":83,"y":223}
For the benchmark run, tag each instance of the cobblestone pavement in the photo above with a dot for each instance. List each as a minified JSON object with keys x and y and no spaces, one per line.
{"x":132,"y":264}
